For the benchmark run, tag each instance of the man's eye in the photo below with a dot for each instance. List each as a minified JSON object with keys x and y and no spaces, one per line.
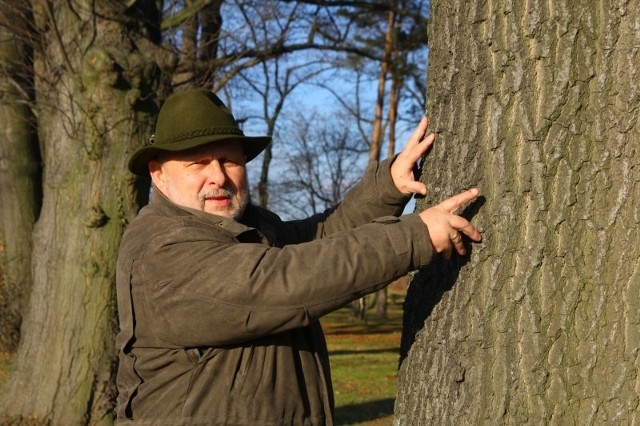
{"x":228,"y":162}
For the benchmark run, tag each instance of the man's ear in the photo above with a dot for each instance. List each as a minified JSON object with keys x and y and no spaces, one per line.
{"x":157,"y":174}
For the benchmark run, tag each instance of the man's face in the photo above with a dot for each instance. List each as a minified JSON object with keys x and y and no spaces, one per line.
{"x":211,"y":178}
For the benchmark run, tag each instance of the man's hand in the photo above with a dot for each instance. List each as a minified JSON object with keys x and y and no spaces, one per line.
{"x":403,"y":166}
{"x":445,"y":225}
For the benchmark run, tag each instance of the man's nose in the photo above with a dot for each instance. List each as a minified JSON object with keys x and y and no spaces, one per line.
{"x":216,"y":174}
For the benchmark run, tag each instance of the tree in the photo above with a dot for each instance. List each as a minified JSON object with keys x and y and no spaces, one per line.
{"x":200,"y":29}
{"x":392,"y":31}
{"x":391,"y":44}
{"x":273,"y":81}
{"x":19,"y":170}
{"x":322,"y":160}
{"x":376,"y":137}
{"x":96,"y":78}
{"x":537,"y":104}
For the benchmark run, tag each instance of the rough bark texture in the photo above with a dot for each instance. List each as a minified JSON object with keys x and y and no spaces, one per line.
{"x":19,"y":170}
{"x":96,"y":82}
{"x":537,"y":103}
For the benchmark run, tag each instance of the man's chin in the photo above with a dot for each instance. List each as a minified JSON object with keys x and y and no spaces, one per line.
{"x":229,"y":212}
{"x":225,"y":212}
{"x":233,"y":210}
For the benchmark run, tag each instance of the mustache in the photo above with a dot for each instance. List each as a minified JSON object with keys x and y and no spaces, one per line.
{"x":211,"y":192}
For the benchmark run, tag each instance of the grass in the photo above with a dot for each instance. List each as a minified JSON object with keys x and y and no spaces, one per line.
{"x":364,"y":366}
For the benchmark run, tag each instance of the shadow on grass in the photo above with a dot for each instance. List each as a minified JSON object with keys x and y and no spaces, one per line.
{"x":346,"y":329}
{"x":364,"y":412}
{"x":393,"y":351}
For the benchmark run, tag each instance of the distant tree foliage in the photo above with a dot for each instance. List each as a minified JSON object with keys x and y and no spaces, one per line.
{"x":321,"y":159}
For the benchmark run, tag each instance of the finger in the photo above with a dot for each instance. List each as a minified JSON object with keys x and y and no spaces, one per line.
{"x":416,"y":152}
{"x":446,"y":254}
{"x":417,"y":187}
{"x":425,"y":144}
{"x":461,"y":224}
{"x":457,"y":243}
{"x":454,"y":203}
{"x":471,"y":232}
{"x":419,"y":133}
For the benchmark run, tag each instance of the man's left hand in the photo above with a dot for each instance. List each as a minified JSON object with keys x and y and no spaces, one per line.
{"x":403,"y":167}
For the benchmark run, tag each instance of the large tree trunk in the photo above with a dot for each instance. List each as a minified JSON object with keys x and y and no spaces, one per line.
{"x":537,"y":104}
{"x":19,"y":169}
{"x":95,"y":90}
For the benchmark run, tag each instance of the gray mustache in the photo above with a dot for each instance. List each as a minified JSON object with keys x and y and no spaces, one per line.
{"x":208,"y":193}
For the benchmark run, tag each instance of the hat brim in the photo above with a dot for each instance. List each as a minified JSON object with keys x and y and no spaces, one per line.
{"x":139,"y":160}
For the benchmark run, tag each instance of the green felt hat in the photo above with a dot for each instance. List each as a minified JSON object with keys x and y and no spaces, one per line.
{"x":189,"y":119}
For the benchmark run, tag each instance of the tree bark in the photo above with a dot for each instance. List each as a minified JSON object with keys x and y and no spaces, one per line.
{"x":19,"y":170}
{"x":96,"y":82}
{"x":536,"y":103}
{"x":186,"y":74}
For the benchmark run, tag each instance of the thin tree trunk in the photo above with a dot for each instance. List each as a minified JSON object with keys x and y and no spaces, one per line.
{"x":376,"y":135}
{"x":19,"y":169}
{"x":394,"y":99}
{"x":263,"y":181}
{"x":537,"y":104}
{"x":96,"y":103}
{"x":271,"y":118}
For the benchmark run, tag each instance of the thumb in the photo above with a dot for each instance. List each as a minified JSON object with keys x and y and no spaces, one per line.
{"x":416,"y":187}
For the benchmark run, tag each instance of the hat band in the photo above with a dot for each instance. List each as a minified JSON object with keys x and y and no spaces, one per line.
{"x":229,"y":130}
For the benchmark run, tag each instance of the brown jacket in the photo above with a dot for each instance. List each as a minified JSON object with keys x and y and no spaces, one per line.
{"x":219,"y":319}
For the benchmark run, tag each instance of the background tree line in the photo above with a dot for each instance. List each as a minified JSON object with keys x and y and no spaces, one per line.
{"x":81,"y":83}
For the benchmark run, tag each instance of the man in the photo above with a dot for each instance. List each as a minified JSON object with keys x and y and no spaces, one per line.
{"x":219,"y":300}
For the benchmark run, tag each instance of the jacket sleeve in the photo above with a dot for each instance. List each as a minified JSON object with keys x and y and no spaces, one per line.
{"x":203,"y":290}
{"x":375,"y":195}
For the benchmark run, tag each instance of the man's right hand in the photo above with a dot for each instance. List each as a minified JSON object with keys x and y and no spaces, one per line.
{"x":445,"y":225}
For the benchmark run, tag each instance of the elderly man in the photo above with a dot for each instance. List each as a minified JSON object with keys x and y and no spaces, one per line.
{"x":219,"y":300}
